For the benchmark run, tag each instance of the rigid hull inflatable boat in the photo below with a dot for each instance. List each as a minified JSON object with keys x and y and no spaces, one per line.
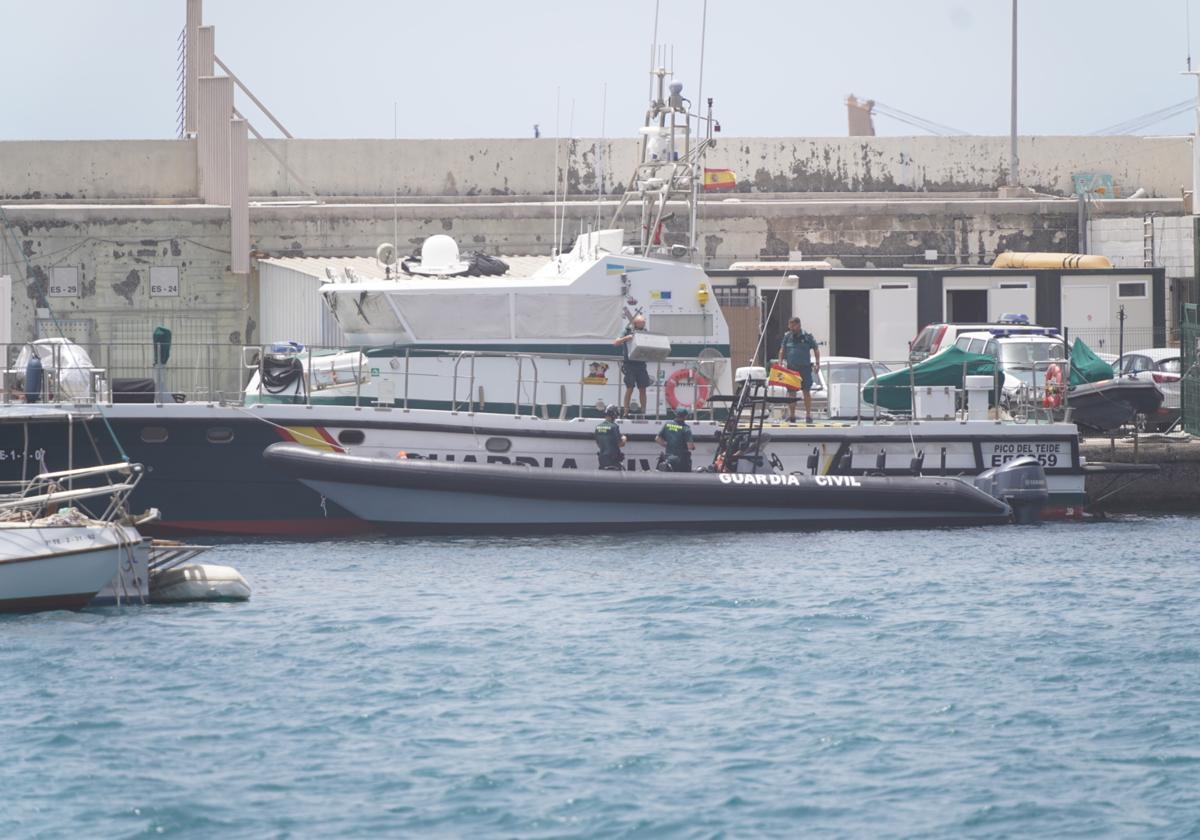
{"x":432,"y":497}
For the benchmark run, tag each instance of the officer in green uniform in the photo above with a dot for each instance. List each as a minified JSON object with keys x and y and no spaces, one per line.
{"x":676,"y":438}
{"x":796,"y":351}
{"x":609,"y":440}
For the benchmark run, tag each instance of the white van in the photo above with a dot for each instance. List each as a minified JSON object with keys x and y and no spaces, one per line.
{"x":937,"y":337}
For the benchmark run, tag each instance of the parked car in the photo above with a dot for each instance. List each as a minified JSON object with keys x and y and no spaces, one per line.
{"x":1162,"y":365}
{"x":1023,"y":357}
{"x":937,"y":337}
{"x":1026,"y":361}
{"x":836,"y":370}
{"x":843,"y":370}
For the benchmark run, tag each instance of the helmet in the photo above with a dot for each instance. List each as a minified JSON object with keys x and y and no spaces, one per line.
{"x":681,"y":413}
{"x":612,"y":412}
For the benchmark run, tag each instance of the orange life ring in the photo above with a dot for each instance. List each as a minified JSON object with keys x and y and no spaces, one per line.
{"x":1052,"y":397}
{"x":689,"y":377}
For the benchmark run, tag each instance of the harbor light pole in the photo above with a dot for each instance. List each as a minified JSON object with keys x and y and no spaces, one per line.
{"x":1014,"y":175}
{"x":1195,"y":145}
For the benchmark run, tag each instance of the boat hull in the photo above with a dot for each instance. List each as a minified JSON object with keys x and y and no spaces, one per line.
{"x":219,"y":484}
{"x":424,"y":497}
{"x":50,"y":568}
{"x":1110,"y":404}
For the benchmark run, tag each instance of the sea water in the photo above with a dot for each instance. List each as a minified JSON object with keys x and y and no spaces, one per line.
{"x":995,"y":682}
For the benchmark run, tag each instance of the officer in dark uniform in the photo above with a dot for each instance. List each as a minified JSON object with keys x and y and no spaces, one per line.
{"x":676,"y":438}
{"x":609,"y":440}
{"x":796,"y":351}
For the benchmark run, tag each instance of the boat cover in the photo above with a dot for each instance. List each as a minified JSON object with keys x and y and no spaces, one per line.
{"x":1086,"y":366}
{"x":893,"y":390}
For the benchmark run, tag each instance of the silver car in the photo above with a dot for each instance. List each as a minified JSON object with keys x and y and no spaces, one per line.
{"x":1162,"y":365}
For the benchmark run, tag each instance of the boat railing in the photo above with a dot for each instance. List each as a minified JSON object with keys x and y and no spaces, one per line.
{"x":46,"y":491}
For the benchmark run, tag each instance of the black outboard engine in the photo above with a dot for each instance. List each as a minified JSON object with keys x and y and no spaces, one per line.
{"x":1021,"y":484}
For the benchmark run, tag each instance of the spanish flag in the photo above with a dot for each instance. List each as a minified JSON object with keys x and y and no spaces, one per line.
{"x":789,"y":379}
{"x":719,"y":179}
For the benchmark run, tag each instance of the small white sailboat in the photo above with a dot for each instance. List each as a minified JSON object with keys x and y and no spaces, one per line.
{"x":54,"y":554}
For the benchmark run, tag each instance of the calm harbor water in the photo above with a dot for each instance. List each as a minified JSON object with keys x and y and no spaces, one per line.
{"x":997,"y":682}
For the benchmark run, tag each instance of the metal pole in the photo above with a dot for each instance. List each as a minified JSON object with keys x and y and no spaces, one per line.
{"x":1120,"y":334}
{"x":1082,"y":223}
{"x":1014,"y":175}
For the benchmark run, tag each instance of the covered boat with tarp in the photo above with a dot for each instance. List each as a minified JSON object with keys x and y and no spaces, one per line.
{"x":893,"y":391}
{"x":1102,"y":401}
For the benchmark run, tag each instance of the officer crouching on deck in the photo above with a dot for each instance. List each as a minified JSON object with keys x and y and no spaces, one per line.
{"x":676,"y":438}
{"x":609,"y":440}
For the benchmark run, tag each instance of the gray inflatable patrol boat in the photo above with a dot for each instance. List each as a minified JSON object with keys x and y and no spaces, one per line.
{"x":418,"y":496}
{"x":742,"y":488}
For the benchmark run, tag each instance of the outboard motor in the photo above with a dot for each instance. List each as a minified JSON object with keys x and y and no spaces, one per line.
{"x":1021,"y":484}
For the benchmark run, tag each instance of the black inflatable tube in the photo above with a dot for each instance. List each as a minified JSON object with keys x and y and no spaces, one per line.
{"x":912,"y":494}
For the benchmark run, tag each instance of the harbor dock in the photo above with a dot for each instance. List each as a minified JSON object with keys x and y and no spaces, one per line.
{"x":1175,"y":487}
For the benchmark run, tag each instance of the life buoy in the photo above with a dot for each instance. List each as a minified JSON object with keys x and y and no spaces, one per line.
{"x":1052,"y":396}
{"x":687,"y":376}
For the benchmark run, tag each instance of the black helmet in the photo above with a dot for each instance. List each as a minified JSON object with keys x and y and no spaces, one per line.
{"x":612,"y":412}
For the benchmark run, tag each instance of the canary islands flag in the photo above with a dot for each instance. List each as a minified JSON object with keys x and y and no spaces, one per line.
{"x":719,"y":179}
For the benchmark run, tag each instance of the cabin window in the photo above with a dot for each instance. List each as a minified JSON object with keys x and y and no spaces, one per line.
{"x":219,"y":434}
{"x":1132,"y":290}
{"x":351,"y":437}
{"x":895,"y":286}
{"x":1014,"y":285}
{"x":498,"y":444}
{"x":154,"y":434}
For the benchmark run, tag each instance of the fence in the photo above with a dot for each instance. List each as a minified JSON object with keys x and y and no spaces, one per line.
{"x":1189,"y":346}
{"x":1109,"y":341}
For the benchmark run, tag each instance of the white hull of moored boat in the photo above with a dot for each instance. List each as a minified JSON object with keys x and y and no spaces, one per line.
{"x":57,"y":567}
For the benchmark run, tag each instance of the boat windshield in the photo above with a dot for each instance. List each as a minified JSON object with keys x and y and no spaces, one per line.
{"x":1025,"y":354}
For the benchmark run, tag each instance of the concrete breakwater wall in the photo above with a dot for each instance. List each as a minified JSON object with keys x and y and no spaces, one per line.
{"x":1175,"y":488}
{"x":166,"y":169}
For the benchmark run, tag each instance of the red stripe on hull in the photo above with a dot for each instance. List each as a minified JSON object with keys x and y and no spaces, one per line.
{"x":323,"y":527}
{"x":1068,"y":512}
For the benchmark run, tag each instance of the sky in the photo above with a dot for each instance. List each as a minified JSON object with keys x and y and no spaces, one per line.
{"x":107,"y":69}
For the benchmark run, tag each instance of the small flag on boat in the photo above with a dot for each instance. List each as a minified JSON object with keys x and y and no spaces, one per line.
{"x":789,"y":379}
{"x":719,"y":179}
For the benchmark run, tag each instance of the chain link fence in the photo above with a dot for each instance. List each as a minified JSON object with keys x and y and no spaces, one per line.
{"x":1189,"y":346}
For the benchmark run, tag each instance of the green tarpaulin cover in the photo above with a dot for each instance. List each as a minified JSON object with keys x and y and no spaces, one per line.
{"x":893,"y":391}
{"x":1086,"y":366}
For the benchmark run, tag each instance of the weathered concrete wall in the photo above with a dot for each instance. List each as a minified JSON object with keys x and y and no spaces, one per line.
{"x":165,"y":169}
{"x":113,"y":249}
{"x":97,"y":169}
{"x":877,"y":233}
{"x":762,"y":164}
{"x":1122,"y":241}
{"x":1176,"y":487}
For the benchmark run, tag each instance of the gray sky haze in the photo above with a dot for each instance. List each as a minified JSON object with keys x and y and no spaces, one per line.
{"x":84,"y":69}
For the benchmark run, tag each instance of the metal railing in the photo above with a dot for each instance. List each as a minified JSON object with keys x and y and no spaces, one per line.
{"x":221,"y":373}
{"x":224,"y":373}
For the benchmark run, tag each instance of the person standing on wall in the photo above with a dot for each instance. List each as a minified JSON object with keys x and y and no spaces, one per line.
{"x":797,"y":352}
{"x":609,"y":440}
{"x":635,"y":372}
